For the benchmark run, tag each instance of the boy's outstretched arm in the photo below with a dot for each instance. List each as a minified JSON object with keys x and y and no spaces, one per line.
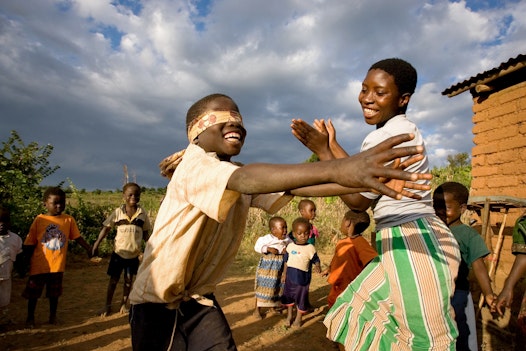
{"x":358,"y":172}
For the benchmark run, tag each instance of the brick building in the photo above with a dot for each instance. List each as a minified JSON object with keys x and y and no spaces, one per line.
{"x":498,"y":158}
{"x":498,"y":187}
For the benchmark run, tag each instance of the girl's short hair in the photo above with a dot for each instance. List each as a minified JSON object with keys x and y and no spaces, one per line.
{"x":404,"y":74}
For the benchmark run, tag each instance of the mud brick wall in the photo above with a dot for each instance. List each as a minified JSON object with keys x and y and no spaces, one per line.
{"x":499,"y":155}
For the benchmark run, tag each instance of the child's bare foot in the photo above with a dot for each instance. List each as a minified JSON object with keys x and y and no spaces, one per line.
{"x":105,"y":311}
{"x":124,"y":309}
{"x":257,"y":314}
{"x":275,"y":311}
{"x":296,"y":324}
{"x":30,"y":323}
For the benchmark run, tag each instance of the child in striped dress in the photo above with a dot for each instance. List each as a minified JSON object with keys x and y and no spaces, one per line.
{"x":401,"y":300}
{"x":268,"y":286}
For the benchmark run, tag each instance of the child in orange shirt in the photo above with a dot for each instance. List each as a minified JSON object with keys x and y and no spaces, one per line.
{"x":351,"y":254}
{"x":47,"y":246}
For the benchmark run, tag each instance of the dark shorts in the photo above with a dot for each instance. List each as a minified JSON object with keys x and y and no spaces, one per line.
{"x":119,"y":264}
{"x":194,"y":327}
{"x":295,"y":294}
{"x":35,"y":285}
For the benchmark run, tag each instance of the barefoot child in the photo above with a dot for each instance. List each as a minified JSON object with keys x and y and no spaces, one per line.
{"x":300,"y":257}
{"x":351,"y":254}
{"x":47,"y":246}
{"x":402,"y":299}
{"x":10,"y":250}
{"x":133,"y":225}
{"x":268,"y":285}
{"x":202,"y":218}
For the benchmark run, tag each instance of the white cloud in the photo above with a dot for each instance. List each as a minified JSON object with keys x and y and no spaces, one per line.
{"x":97,"y":80}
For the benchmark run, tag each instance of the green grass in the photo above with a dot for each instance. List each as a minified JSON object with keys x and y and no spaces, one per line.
{"x":329,"y":214}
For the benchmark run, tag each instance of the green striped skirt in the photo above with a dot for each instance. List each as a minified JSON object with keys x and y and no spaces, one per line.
{"x":401,"y":300}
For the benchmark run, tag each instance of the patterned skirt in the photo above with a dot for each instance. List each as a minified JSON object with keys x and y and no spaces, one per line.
{"x":268,"y":286}
{"x":401,"y":300}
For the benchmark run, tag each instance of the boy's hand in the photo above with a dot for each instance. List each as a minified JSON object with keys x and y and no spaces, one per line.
{"x":367,"y":168}
{"x":316,"y":268}
{"x":272,"y":251}
{"x":491,"y":300}
{"x":400,"y":186}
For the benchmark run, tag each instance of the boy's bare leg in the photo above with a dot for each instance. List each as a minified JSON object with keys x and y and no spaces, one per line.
{"x":128,"y":282}
{"x":53,"y":305}
{"x":289,"y":315}
{"x":31,"y":306}
{"x":106,"y":310}
{"x":297,"y":321}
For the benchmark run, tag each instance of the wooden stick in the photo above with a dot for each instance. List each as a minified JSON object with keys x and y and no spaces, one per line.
{"x":495,"y":259}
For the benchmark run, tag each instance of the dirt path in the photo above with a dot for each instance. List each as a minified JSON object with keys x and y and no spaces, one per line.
{"x":85,"y":284}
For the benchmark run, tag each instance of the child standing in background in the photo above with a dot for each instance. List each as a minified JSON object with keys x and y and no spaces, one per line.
{"x":402,"y":299}
{"x":268,"y":285}
{"x":351,"y":254}
{"x":450,"y":201}
{"x":47,"y":246}
{"x":10,"y":248}
{"x":133,"y":225}
{"x":300,"y":257}
{"x":307,"y":210}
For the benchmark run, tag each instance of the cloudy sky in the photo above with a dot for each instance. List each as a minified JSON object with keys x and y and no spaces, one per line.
{"x":108,"y":83}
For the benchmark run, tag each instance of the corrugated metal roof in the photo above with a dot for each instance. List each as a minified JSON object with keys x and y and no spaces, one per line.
{"x":504,"y":68}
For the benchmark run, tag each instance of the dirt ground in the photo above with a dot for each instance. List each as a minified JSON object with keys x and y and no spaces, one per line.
{"x":79,"y":328}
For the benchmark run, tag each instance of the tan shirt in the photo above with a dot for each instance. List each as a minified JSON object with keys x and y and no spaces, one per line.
{"x":130,"y":231}
{"x":197,"y":231}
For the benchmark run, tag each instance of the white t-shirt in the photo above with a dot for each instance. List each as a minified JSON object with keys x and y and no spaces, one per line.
{"x":389,"y":212}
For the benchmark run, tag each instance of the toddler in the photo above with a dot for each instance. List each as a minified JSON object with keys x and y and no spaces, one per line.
{"x":307,"y":210}
{"x":268,"y":285}
{"x":300,"y":257}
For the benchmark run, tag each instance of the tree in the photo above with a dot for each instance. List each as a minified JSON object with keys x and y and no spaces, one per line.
{"x":457,"y":170}
{"x":22,"y":169}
